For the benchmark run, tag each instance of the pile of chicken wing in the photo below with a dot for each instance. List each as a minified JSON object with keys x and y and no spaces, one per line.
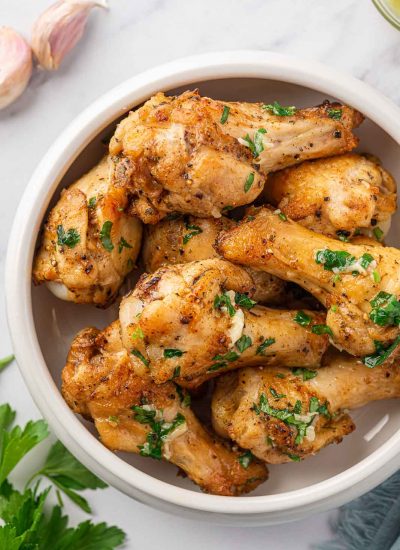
{"x":265,"y":284}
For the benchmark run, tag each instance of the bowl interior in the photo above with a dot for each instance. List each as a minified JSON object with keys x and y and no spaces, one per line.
{"x":57,"y":321}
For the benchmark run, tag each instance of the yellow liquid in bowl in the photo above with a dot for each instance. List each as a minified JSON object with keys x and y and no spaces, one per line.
{"x":394,"y":6}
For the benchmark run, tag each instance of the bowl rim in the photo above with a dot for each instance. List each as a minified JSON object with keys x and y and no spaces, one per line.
{"x":326,"y":494}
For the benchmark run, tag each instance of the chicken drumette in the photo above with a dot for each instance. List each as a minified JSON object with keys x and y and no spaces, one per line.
{"x":358,"y":284}
{"x":282,"y":414}
{"x":190,"y":322}
{"x":196,"y":155}
{"x":133,"y":414}
{"x":89,"y":244}
{"x":338,"y":197}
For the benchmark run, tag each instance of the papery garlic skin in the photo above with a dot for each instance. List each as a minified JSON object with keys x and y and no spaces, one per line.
{"x":59,"y":29}
{"x":15,"y":65}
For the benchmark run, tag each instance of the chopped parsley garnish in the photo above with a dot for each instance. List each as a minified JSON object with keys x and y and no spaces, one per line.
{"x":105,"y":236}
{"x":176,"y":373}
{"x":249,"y":182}
{"x":92,"y":202}
{"x":193,"y":231}
{"x":321,"y":329}
{"x":279,"y":110}
{"x":137,"y":333}
{"x":223,"y":300}
{"x":159,"y":430}
{"x":285,"y":415}
{"x":334,"y":259}
{"x":227,"y":208}
{"x":305,"y":373}
{"x":114,"y":419}
{"x":225,"y":114}
{"x":282,"y":216}
{"x":68,"y":238}
{"x":280,"y":375}
{"x":5,"y":361}
{"x":184,"y":397}
{"x":385,"y":309}
{"x":381,"y":355}
{"x":262,"y":347}
{"x":343,"y":235}
{"x":243,"y":343}
{"x":376,"y":277}
{"x":172,"y":352}
{"x":301,"y":318}
{"x":378,"y":233}
{"x":139,"y":355}
{"x":223,"y":360}
{"x":293,"y":457}
{"x":335,"y":114}
{"x":246,"y":459}
{"x":315,"y":406}
{"x":123,"y":244}
{"x":275,"y":394}
{"x":242,"y":300}
{"x":256,"y":146}
{"x":366,"y":259}
{"x":334,"y":308}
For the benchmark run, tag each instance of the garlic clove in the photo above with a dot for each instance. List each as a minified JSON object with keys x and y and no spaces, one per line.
{"x":59,"y":29}
{"x":15,"y":65}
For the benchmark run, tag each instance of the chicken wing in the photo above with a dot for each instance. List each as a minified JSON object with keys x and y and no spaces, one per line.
{"x":358,"y":284}
{"x":196,"y":155}
{"x":187,"y":239}
{"x":282,"y":414}
{"x":133,"y":414}
{"x":89,"y":244}
{"x":337,"y":196}
{"x":189,"y":322}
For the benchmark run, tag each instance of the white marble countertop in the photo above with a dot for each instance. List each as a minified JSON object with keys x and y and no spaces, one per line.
{"x":347,"y":34}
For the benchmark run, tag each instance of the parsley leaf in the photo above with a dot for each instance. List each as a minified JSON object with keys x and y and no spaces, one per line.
{"x":242,"y":300}
{"x":262,"y":347}
{"x":193,"y":231}
{"x":105,"y":236}
{"x":279,"y":110}
{"x":225,"y":114}
{"x":381,"y":354}
{"x":385,"y":309}
{"x":246,"y":459}
{"x":378,"y":233}
{"x":334,"y":259}
{"x":256,"y":146}
{"x":68,"y":238}
{"x":123,"y":244}
{"x":243,"y":343}
{"x":301,"y":318}
{"x":139,"y":355}
{"x":249,"y":182}
{"x":343,"y":235}
{"x":321,"y":329}
{"x":92,"y":202}
{"x":223,"y":300}
{"x":305,"y":373}
{"x":223,"y":360}
{"x":275,"y":394}
{"x":335,"y":114}
{"x":5,"y":361}
{"x":171,"y":352}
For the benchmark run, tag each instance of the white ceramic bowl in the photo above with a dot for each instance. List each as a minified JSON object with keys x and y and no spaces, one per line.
{"x":42,"y":326}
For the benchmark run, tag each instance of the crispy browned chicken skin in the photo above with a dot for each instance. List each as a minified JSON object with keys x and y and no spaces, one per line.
{"x":175,"y":154}
{"x":100,"y":384}
{"x":188,"y":239}
{"x":89,"y":244}
{"x":190,"y":322}
{"x":337,"y":196}
{"x":292,"y":252}
{"x":280,"y":416}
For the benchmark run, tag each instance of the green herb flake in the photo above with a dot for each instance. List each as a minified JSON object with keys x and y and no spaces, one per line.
{"x":376,"y":276}
{"x":381,"y":355}
{"x":193,"y":231}
{"x":225,"y":114}
{"x":246,"y":459}
{"x":137,"y":333}
{"x":176,"y":373}
{"x":139,"y":355}
{"x":264,"y":345}
{"x":223,"y":360}
{"x":321,"y":329}
{"x":301,"y":318}
{"x":378,"y":233}
{"x":243,"y":343}
{"x":306,"y":374}
{"x":343,"y":235}
{"x":172,"y":352}
{"x":334,"y":308}
{"x":184,"y":397}
{"x":242,"y":300}
{"x":5,"y":361}
{"x":256,"y":146}
{"x":227,"y":208}
{"x":279,"y":110}
{"x":275,"y":394}
{"x":249,"y":182}
{"x":92,"y":202}
{"x":68,"y":238}
{"x":294,"y":458}
{"x":385,"y":310}
{"x":365,"y":260}
{"x":105,"y":236}
{"x":114,"y":419}
{"x":335,"y":114}
{"x":280,"y":375}
{"x":123,"y":244}
{"x":223,"y":300}
{"x":334,"y":259}
{"x":282,"y":216}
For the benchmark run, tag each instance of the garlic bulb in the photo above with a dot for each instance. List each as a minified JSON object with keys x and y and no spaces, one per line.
{"x":15,"y":65}
{"x":59,"y":29}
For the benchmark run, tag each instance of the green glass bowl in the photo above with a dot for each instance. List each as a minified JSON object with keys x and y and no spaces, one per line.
{"x":390,"y":9}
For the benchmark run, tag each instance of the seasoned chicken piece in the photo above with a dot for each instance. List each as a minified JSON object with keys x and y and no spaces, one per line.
{"x":196,"y":155}
{"x":337,"y":196}
{"x":282,"y":414}
{"x":89,"y":244}
{"x":187,"y":239}
{"x":133,"y":414}
{"x":189,"y":322}
{"x":358,"y":284}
